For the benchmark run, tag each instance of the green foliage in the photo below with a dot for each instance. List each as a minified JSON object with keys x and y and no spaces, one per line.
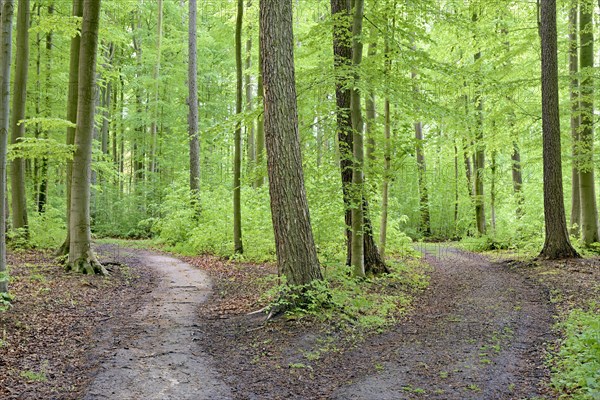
{"x":577,"y":364}
{"x":5,"y":298}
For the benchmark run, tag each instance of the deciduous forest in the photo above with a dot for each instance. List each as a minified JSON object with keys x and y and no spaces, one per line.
{"x":299,"y":199}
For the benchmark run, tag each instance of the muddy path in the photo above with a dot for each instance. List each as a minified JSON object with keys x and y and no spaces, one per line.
{"x":157,"y":355}
{"x":478,"y":333}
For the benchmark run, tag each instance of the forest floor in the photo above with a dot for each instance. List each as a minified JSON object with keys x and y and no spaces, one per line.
{"x":161,"y":328}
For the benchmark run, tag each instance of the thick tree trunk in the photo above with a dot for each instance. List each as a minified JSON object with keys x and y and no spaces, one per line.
{"x":6,"y":11}
{"x":556,"y":243}
{"x":296,"y":251}
{"x":81,"y":256}
{"x":72,"y":101}
{"x":589,"y":211}
{"x":17,"y":175}
{"x":574,"y":95}
{"x":357,"y":258}
{"x":238,"y":247}
{"x":194,"y":141}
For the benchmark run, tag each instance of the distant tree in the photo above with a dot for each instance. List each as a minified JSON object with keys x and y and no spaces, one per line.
{"x":81,"y":257}
{"x":6,"y":10}
{"x":294,"y":243}
{"x":557,"y":244}
{"x":193,"y":105}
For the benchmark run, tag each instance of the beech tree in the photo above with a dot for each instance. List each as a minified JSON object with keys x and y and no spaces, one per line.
{"x":238,"y":247}
{"x":81,"y":257}
{"x":294,"y":243}
{"x":19,"y":199}
{"x":556,"y":244}
{"x":193,"y":104}
{"x":6,"y":11}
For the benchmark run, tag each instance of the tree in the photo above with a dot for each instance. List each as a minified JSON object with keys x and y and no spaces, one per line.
{"x":6,"y":10}
{"x":574,"y":95}
{"x":589,"y":212}
{"x":294,"y":243}
{"x":556,"y":244}
{"x":72,"y":101}
{"x":342,"y":51}
{"x":237,"y":157}
{"x":479,"y":156}
{"x":19,"y":199}
{"x":81,"y":257}
{"x":193,"y":105}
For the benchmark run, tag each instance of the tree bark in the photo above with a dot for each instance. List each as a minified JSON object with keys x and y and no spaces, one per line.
{"x":81,"y":256}
{"x":6,"y":10}
{"x":479,"y":156}
{"x":42,"y":194}
{"x":72,"y":101}
{"x":251,"y":148}
{"x":589,"y":211}
{"x":194,"y":141}
{"x":517,"y":178}
{"x":296,"y":251}
{"x":556,"y":244}
{"x":17,"y":176}
{"x":260,"y":130}
{"x":237,"y":157}
{"x":386,"y":179}
{"x":574,"y":95}
{"x":156,"y":78}
{"x":370,"y":109}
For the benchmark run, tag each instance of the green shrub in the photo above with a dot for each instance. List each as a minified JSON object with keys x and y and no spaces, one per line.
{"x":577,"y":364}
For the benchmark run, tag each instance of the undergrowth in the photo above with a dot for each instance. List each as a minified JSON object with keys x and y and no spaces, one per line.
{"x":369,"y":304}
{"x":576,"y":366}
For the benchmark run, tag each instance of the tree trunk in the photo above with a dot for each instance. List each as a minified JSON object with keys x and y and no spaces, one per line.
{"x":194,"y":141}
{"x":557,"y":244}
{"x":357,"y":259}
{"x":6,"y":10}
{"x":156,"y":78}
{"x":237,"y":156}
{"x":370,"y":109}
{"x":43,"y":188}
{"x":493,"y":192}
{"x":479,"y":156}
{"x":81,"y":256}
{"x":517,"y":178}
{"x":296,"y":251}
{"x":386,"y":179}
{"x":17,"y":176}
{"x":342,"y":51}
{"x":574,"y":95}
{"x":589,"y":212}
{"x":251,"y":149}
{"x":72,"y":101}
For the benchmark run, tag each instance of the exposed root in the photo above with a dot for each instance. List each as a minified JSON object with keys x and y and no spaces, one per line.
{"x":86,"y":265}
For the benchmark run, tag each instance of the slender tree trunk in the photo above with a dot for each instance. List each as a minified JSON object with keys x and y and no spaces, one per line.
{"x":296,"y":251}
{"x":557,"y":244}
{"x":17,"y":176}
{"x":370,"y":110}
{"x":6,"y":11}
{"x":589,"y":211}
{"x":493,"y":168}
{"x":237,"y":157}
{"x":72,"y":101}
{"x":468,"y":171}
{"x":156,"y":78}
{"x":455,"y":185}
{"x":517,"y":178}
{"x":574,"y":95}
{"x":479,"y":156}
{"x":194,"y":141}
{"x":251,"y":149}
{"x":81,"y":256}
{"x":43,"y":189}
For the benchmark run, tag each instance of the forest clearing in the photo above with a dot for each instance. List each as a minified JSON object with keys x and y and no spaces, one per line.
{"x":311,"y":199}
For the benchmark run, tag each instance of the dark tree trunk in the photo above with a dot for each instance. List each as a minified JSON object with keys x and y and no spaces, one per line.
{"x":557,"y":244}
{"x":574,"y":95}
{"x":237,"y":157}
{"x":296,"y":251}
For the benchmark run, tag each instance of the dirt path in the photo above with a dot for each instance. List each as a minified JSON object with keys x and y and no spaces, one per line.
{"x":162,"y":358}
{"x":479,"y":333}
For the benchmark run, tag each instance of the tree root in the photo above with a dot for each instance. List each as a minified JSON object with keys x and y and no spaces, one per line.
{"x":86,"y":265}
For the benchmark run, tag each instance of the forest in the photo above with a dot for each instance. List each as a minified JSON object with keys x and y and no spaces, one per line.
{"x":340,"y":166}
